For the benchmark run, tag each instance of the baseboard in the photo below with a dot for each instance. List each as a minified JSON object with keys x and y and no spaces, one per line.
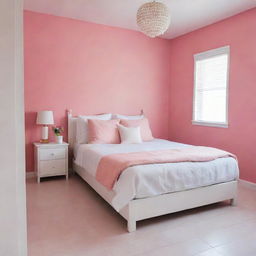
{"x":30,"y":175}
{"x":247,"y":184}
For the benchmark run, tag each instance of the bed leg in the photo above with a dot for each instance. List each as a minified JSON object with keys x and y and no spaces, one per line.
{"x":233,"y":201}
{"x":131,"y":225}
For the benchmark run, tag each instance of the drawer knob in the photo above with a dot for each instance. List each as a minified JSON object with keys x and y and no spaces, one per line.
{"x":52,"y":154}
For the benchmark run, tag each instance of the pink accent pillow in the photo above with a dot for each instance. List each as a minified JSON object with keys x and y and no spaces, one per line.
{"x":103,"y":131}
{"x":146,"y":133}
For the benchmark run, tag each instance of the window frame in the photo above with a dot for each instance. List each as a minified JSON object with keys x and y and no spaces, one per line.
{"x":206,"y":55}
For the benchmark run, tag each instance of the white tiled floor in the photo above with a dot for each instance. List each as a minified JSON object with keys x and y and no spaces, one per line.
{"x":67,"y":218}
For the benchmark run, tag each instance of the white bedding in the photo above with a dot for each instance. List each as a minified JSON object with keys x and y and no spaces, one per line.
{"x":154,"y":179}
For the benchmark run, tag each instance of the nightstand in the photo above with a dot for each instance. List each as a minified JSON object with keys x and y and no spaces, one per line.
{"x":51,"y":159}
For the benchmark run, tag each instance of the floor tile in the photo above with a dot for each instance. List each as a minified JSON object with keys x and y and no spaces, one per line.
{"x":68,"y":218}
{"x":187,"y":248}
{"x":210,"y":252}
{"x":243,"y":247}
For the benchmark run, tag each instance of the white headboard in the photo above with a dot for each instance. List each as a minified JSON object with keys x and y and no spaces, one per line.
{"x":72,"y":128}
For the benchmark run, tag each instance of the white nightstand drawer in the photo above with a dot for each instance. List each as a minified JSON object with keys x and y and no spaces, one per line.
{"x":52,"y":167}
{"x":51,"y":159}
{"x":51,"y":154}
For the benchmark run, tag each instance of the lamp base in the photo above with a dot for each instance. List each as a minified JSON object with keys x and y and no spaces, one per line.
{"x":44,"y":141}
{"x":44,"y":137}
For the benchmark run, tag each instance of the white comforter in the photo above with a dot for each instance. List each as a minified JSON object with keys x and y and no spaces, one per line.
{"x":154,"y":179}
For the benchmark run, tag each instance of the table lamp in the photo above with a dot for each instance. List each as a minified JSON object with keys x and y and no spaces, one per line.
{"x":44,"y":118}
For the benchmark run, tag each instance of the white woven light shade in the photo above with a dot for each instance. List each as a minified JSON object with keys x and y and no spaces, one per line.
{"x":153,"y":18}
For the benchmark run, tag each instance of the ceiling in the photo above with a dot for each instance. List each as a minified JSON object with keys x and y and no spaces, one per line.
{"x":186,"y":15}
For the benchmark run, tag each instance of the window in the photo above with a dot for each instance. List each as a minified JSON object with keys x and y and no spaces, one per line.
{"x":210,"y":87}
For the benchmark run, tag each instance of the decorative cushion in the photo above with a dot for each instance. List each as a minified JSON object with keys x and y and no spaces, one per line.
{"x":117,"y":116}
{"x":145,"y":130}
{"x":82,"y":126}
{"x":103,"y":131}
{"x":129,"y":135}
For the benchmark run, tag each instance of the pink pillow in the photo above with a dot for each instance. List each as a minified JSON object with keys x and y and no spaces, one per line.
{"x":146,"y":133}
{"x":103,"y":131}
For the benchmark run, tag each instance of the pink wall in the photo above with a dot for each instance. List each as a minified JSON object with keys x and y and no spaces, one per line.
{"x":240,"y":137}
{"x":92,"y":69}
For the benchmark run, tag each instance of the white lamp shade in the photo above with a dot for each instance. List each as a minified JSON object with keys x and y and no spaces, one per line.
{"x":44,"y":117}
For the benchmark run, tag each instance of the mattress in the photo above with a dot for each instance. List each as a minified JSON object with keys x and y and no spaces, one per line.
{"x":155,"y":179}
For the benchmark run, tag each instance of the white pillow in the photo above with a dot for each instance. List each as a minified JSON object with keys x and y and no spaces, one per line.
{"x":117,"y":116}
{"x":129,"y":135}
{"x":82,"y":126}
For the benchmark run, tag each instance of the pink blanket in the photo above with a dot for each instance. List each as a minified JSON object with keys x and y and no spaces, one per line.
{"x":111,"y":166}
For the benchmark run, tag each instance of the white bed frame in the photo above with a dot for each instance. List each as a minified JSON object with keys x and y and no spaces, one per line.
{"x":140,"y":209}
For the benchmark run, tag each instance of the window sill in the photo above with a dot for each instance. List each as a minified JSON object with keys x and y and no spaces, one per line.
{"x":211,"y":124}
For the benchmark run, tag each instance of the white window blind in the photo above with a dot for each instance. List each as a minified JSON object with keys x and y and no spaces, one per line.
{"x":210,"y":87}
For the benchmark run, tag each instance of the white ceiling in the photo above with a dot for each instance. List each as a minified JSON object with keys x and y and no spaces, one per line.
{"x":186,"y":15}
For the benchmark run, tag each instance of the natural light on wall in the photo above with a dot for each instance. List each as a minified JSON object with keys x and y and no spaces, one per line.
{"x":210,"y":88}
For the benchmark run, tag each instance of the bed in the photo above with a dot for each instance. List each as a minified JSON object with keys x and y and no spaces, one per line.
{"x":178,"y":186}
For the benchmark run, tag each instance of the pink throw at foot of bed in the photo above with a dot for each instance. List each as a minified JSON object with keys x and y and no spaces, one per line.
{"x":111,"y":166}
